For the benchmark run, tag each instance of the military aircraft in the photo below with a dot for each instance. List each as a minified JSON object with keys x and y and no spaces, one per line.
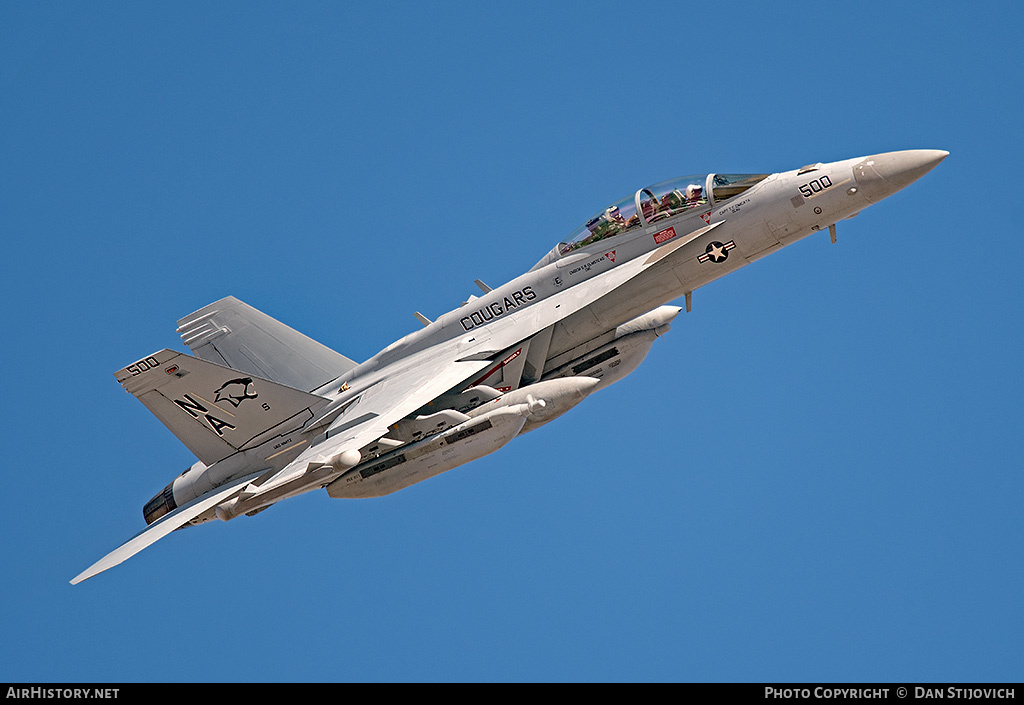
{"x":271,"y":413}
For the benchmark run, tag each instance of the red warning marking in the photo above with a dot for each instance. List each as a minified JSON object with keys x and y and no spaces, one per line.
{"x":664,"y":235}
{"x":497,"y":367}
{"x":511,"y":357}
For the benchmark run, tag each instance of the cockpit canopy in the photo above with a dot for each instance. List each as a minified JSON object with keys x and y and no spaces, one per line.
{"x":658,"y":202}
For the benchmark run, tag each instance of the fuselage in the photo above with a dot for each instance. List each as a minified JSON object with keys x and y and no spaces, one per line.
{"x":252,"y":403}
{"x":668,"y":239}
{"x":777,"y":210}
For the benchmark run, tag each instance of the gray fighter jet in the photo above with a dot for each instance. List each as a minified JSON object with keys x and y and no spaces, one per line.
{"x":271,"y":414}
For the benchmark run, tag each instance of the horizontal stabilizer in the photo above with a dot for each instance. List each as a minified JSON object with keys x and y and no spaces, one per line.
{"x":214,"y":410}
{"x":233,"y":333}
{"x":163,"y":526}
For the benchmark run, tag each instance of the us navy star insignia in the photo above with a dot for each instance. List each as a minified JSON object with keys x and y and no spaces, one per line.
{"x":716,"y":252}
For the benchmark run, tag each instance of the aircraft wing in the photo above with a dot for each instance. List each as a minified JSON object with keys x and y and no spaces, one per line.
{"x":163,"y":526}
{"x":429,"y":373}
{"x":396,"y":390}
{"x":387,"y":399}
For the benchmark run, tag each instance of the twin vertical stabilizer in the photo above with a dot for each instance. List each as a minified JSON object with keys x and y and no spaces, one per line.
{"x":215,"y":410}
{"x":233,"y":333}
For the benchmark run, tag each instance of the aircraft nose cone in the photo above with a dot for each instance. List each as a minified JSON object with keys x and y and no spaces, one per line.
{"x":882,"y":175}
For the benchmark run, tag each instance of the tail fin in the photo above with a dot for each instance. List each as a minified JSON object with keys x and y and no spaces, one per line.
{"x":215,"y":410}
{"x":235,"y":334}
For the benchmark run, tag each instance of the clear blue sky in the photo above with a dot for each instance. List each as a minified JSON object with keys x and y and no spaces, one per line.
{"x":815,"y":476}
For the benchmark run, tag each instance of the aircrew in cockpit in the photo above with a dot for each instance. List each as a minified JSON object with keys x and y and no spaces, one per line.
{"x":615,"y":218}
